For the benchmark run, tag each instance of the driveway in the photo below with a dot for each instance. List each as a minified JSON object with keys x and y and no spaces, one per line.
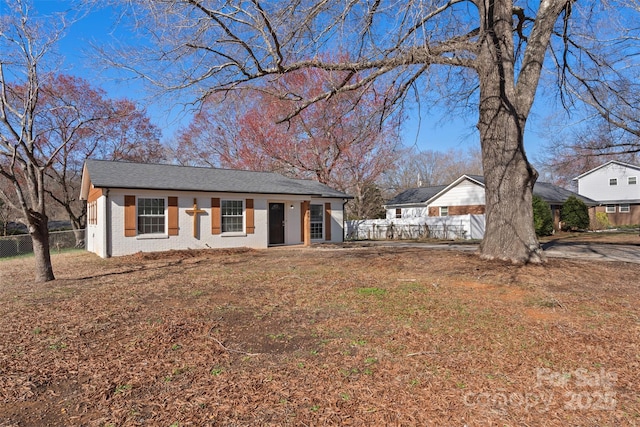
{"x":554,"y":249}
{"x":594,"y":251}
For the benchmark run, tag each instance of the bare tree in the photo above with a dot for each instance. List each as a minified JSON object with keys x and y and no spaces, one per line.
{"x":573,"y":151}
{"x":489,"y":52}
{"x":603,"y":122}
{"x":25,"y":43}
{"x":86,"y":123}
{"x":4,"y":217}
{"x":427,"y":168}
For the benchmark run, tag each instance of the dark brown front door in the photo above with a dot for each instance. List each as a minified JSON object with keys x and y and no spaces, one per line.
{"x":276,"y":223}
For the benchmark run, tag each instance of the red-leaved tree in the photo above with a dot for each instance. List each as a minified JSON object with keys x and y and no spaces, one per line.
{"x":346,"y":141}
{"x":86,"y":123}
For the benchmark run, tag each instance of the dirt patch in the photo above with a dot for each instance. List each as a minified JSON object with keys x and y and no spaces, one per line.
{"x":542,"y":315}
{"x":320,"y":336}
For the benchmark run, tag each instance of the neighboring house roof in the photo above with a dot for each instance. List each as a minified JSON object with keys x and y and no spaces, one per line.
{"x":423,"y":195}
{"x":555,"y":195}
{"x":111,"y":174}
{"x":626,"y":165}
{"x":414,"y":196}
{"x":620,"y":202}
{"x":550,"y":193}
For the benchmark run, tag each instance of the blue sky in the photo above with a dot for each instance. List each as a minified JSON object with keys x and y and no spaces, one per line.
{"x":435,"y":131}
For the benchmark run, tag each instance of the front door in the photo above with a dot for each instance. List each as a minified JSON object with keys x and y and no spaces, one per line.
{"x":276,"y":223}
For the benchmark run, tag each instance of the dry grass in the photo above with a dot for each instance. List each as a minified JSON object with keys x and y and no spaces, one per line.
{"x":367,"y":336}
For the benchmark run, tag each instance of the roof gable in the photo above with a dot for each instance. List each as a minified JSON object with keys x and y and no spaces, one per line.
{"x":424,"y":195}
{"x":474,"y":179}
{"x":609,"y":163}
{"x":111,"y":174}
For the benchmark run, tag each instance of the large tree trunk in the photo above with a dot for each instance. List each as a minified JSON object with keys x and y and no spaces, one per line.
{"x":38,"y":228}
{"x":509,"y":177}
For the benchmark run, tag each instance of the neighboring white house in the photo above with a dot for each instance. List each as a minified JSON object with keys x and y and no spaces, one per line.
{"x":465,"y":196}
{"x":616,"y":187}
{"x":133,"y":207}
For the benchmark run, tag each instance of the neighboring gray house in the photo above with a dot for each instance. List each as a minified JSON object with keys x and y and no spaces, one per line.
{"x":615,"y":187}
{"x":466,"y":196}
{"x":133,"y":207}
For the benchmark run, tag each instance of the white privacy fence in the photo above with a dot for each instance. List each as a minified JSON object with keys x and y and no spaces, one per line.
{"x":458,"y":227}
{"x":21,"y":244}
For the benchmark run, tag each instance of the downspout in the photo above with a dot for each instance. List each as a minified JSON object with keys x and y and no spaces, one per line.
{"x":107,"y":233}
{"x":344,"y":218}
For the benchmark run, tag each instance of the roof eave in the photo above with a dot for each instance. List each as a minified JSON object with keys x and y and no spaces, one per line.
{"x":319,"y":195}
{"x":85,"y":184}
{"x":405,"y":205}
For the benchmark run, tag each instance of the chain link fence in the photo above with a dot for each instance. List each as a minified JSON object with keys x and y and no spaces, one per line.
{"x":20,"y":244}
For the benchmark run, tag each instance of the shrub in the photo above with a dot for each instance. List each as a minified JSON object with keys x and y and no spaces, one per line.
{"x":542,"y":219}
{"x":602,"y":221}
{"x":574,"y":214}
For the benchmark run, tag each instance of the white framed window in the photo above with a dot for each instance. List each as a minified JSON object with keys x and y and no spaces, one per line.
{"x":232,"y":213}
{"x":444,"y":211}
{"x":317,"y":221}
{"x":610,"y":209}
{"x":152,"y":215}
{"x":624,"y":209}
{"x":613,"y":181}
{"x":398,"y":213}
{"x":632,"y":180}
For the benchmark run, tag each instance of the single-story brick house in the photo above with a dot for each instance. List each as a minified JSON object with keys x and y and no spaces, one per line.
{"x":466,"y":196}
{"x":133,"y":207}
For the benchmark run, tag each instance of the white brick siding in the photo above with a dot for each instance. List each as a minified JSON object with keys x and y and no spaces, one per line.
{"x":121,"y":245}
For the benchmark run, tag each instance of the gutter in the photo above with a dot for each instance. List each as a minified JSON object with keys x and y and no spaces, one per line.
{"x":107,"y":234}
{"x":344,"y":217}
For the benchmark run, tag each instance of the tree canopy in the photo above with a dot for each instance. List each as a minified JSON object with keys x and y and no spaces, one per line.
{"x":82,"y":120}
{"x":489,"y":54}
{"x":344,"y":141}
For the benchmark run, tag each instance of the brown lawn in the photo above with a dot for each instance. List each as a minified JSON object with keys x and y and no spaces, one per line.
{"x":320,"y":336}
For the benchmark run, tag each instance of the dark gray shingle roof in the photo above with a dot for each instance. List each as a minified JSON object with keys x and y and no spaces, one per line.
{"x":110,"y":174}
{"x":555,"y":195}
{"x":416,"y":195}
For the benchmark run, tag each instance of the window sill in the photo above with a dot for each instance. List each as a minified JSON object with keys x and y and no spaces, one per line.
{"x":151,"y":236}
{"x":234,"y":234}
